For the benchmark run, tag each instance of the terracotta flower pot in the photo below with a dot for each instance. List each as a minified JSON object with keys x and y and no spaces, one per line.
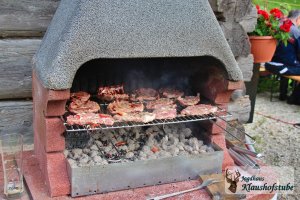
{"x":262,"y":48}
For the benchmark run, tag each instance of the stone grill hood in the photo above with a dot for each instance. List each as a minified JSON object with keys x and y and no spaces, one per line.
{"x":82,"y":30}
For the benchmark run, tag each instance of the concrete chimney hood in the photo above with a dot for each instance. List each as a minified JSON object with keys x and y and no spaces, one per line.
{"x":82,"y":30}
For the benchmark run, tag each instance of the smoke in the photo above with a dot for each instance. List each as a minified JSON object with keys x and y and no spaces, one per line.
{"x":178,"y":73}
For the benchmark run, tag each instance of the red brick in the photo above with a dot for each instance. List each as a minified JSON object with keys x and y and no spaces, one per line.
{"x":54,"y":170}
{"x":54,"y":138}
{"x":220,"y":141}
{"x":213,"y":128}
{"x":50,"y":102}
{"x":223,"y":97}
{"x":58,"y":180}
{"x":50,"y":132}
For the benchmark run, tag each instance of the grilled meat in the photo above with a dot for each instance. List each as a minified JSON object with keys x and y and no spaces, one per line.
{"x":143,"y":117}
{"x":120,"y":107}
{"x":162,"y":102}
{"x":111,"y":93}
{"x":90,"y":119}
{"x":170,"y":93}
{"x":200,"y":109}
{"x":189,"y":100}
{"x":86,"y":107}
{"x":80,"y":103}
{"x":165,"y":113}
{"x":80,"y":97}
{"x":144,"y":94}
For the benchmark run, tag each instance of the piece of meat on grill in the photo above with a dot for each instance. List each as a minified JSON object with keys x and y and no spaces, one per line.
{"x":143,"y":117}
{"x":189,"y":100}
{"x":200,"y":109}
{"x":170,"y":92}
{"x":111,"y":93}
{"x":144,"y":94}
{"x":162,"y":102}
{"x":85,"y":107}
{"x":90,"y":119}
{"x":165,"y":113}
{"x":119,"y":107}
{"x":80,"y":97}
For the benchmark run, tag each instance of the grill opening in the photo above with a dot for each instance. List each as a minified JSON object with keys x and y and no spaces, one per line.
{"x":188,"y":74}
{"x":154,"y":147}
{"x":192,"y":75}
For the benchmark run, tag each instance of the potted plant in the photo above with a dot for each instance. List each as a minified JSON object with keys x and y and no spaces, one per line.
{"x":272,"y":27}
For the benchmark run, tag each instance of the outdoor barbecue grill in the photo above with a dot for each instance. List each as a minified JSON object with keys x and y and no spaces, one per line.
{"x":139,"y":44}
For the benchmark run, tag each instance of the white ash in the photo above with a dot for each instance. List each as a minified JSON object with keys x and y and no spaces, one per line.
{"x":138,"y":143}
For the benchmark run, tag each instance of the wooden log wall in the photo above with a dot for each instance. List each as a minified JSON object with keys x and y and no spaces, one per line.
{"x":24,"y":22}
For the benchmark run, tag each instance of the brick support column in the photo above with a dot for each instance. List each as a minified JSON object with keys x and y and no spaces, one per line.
{"x":49,"y":144}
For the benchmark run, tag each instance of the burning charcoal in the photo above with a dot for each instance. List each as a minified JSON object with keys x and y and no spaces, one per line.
{"x":128,"y":129}
{"x":146,"y":149}
{"x":104,"y":162}
{"x":203,"y":149}
{"x":174,"y":151}
{"x":153,"y":156}
{"x":188,"y":148}
{"x":180,"y":146}
{"x":183,"y":153}
{"x":182,"y":137}
{"x":124,"y":148}
{"x":86,"y":150}
{"x":98,"y":143}
{"x":93,"y":153}
{"x":90,"y":142}
{"x":107,"y":148}
{"x":187,"y":132}
{"x":195,"y":152}
{"x":176,"y":135}
{"x":164,"y":154}
{"x":131,"y":147}
{"x":142,"y":154}
{"x":114,"y":140}
{"x":97,"y":159}
{"x":77,"y":151}
{"x":104,"y":138}
{"x":200,"y":143}
{"x":113,"y":152}
{"x":119,"y":138}
{"x":94,"y":147}
{"x":150,"y":141}
{"x":142,"y":158}
{"x":167,"y":130}
{"x":91,"y":163}
{"x":72,"y":162}
{"x":84,"y":159}
{"x":129,"y":155}
{"x":122,"y":131}
{"x":193,"y":142}
{"x":96,"y":136}
{"x":66,"y":153}
{"x":210,"y":149}
{"x":105,"y":143}
{"x":158,"y":137}
{"x":173,"y":140}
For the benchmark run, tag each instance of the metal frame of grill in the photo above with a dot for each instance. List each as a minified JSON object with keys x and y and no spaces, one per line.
{"x":221,"y":113}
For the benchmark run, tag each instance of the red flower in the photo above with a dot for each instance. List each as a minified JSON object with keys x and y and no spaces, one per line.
{"x":286,"y":26}
{"x":277,"y":13}
{"x":264,"y":14}
{"x":257,"y":7}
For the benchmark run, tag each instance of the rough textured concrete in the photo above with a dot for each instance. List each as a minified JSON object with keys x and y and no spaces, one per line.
{"x":84,"y":30}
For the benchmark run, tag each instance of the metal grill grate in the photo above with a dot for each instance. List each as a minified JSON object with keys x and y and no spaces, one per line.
{"x":180,"y":119}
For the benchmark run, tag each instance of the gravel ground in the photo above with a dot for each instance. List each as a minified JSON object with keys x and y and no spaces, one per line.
{"x":277,"y":140}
